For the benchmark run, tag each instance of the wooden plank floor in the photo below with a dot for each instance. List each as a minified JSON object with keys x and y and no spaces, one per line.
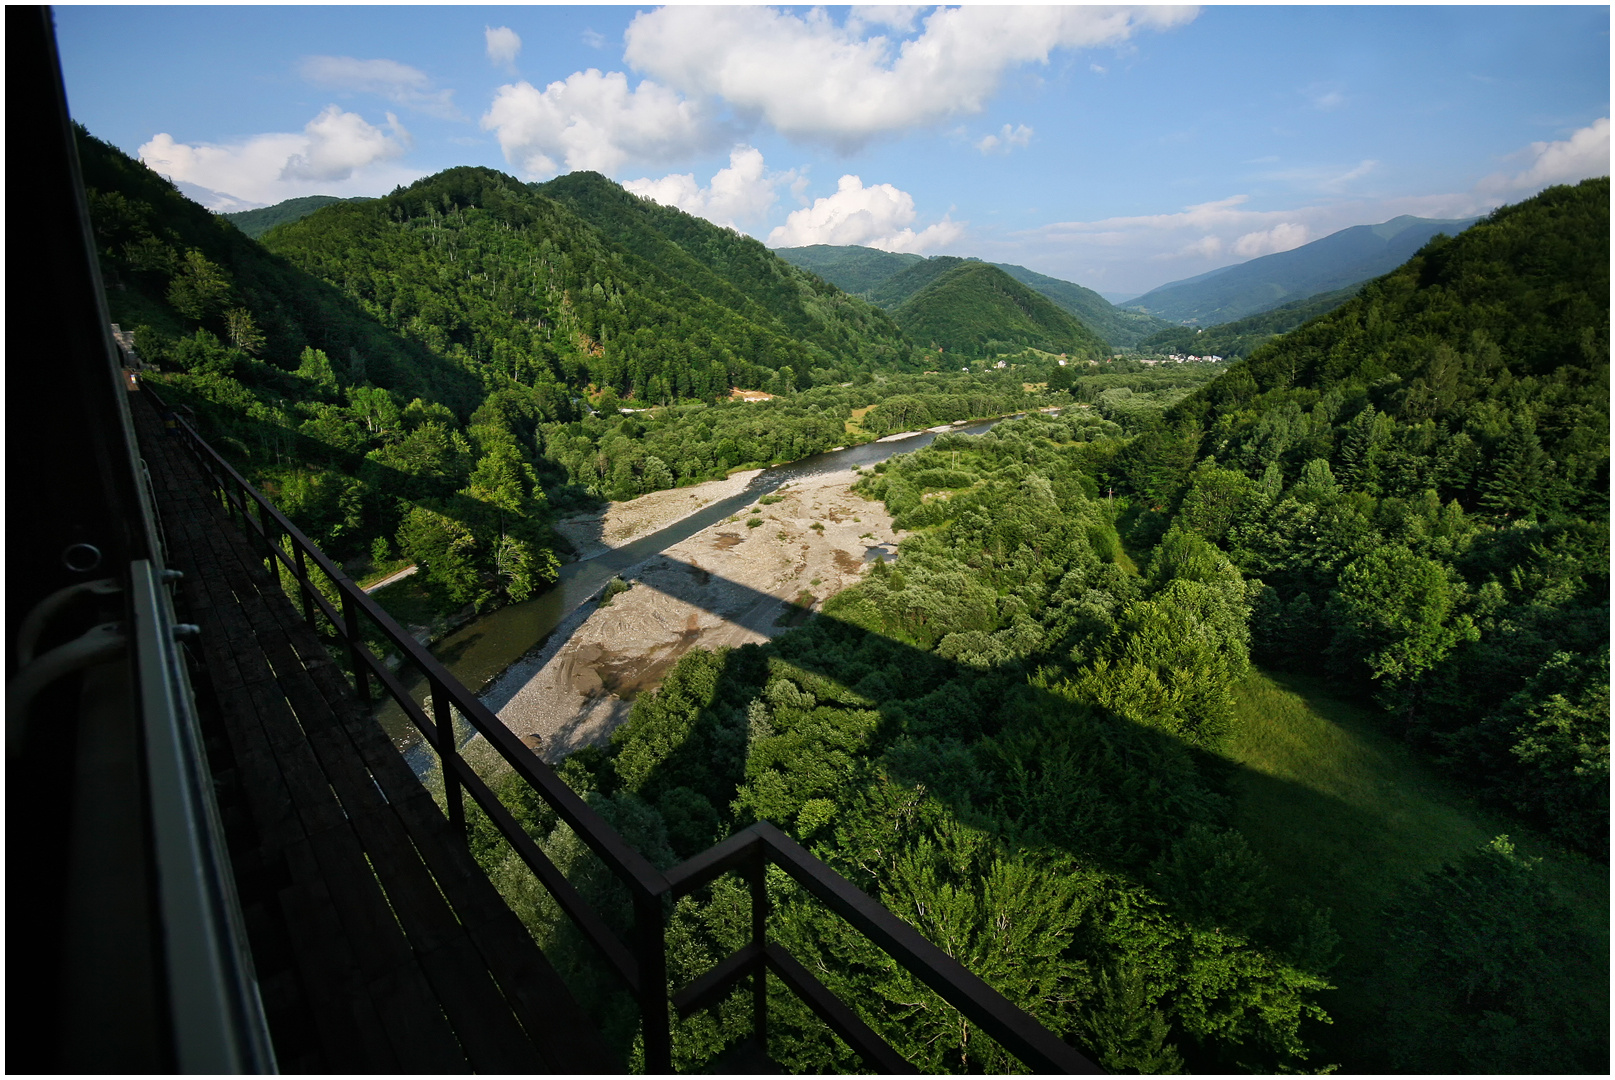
{"x":379,"y":944}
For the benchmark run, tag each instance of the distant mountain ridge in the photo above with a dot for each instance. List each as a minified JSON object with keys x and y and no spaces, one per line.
{"x":891,"y":278}
{"x":1348,"y":257}
{"x":260,"y":220}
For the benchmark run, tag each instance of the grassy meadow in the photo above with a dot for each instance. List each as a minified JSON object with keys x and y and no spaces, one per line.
{"x":1345,"y":814}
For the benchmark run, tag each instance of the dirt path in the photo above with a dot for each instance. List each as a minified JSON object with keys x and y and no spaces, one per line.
{"x":391,"y":578}
{"x":728,"y":585}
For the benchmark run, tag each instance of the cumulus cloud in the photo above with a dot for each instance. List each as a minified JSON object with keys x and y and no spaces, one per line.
{"x":879,"y":216}
{"x":1007,"y":139}
{"x":810,"y":78}
{"x":1281,"y":237}
{"x":398,"y":83}
{"x":1584,"y":154}
{"x":336,"y":153}
{"x":741,"y":193}
{"x":503,"y":45}
{"x":594,"y":121}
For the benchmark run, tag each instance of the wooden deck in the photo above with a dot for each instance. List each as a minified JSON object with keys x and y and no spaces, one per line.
{"x":379,"y":944}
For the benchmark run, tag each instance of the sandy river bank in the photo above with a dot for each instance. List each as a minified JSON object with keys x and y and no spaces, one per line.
{"x":730,"y":584}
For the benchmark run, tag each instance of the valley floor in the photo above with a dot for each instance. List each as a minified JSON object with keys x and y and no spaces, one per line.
{"x":730,"y":584}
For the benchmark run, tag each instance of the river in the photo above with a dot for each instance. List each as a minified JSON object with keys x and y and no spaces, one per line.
{"x":481,"y":650}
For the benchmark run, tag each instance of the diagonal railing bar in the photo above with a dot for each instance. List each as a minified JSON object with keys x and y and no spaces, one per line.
{"x":640,"y":964}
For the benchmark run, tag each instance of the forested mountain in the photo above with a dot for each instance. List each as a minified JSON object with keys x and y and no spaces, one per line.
{"x":1421,"y":479}
{"x":1121,"y":328}
{"x":482,"y":268}
{"x":736,"y":271}
{"x":975,"y":309}
{"x":847,"y":266}
{"x":1334,"y":262}
{"x":1238,"y":339}
{"x":257,"y":222}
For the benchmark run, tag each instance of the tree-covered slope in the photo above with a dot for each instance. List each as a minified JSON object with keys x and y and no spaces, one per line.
{"x":1420,"y":479}
{"x":1121,"y":328}
{"x":257,"y":222}
{"x":1334,"y":262}
{"x":1238,"y":339}
{"x":848,"y":266}
{"x":176,"y":269}
{"x":480,"y":267}
{"x":896,"y":290}
{"x":975,"y":309}
{"x":734,"y":270}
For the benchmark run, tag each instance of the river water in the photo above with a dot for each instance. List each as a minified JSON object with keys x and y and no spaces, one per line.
{"x":480,"y":651}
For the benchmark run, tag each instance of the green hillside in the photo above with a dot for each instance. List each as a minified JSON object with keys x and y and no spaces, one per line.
{"x":737,"y":272}
{"x":1421,"y":480}
{"x":257,"y":222}
{"x":1123,"y":329}
{"x":975,"y":309}
{"x":854,"y":269}
{"x":1340,"y":259}
{"x":1238,"y":339}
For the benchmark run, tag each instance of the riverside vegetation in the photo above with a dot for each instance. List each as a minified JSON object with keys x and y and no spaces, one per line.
{"x":1040,"y":735}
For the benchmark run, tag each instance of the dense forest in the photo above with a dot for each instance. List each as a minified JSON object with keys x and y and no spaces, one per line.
{"x":1016,"y":736}
{"x":972,"y":308}
{"x":257,"y":222}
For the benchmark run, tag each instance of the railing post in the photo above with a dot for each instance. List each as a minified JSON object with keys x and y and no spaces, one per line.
{"x":304,"y":584}
{"x":758,"y":872}
{"x":453,"y":798}
{"x":350,"y":630}
{"x":650,"y":955}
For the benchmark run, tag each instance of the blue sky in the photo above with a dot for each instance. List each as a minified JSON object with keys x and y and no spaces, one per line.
{"x":1120,"y":148}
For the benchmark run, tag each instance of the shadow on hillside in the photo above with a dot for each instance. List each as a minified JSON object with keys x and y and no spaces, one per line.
{"x":1108,"y":793}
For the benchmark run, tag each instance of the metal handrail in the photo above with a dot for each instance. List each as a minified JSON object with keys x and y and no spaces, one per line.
{"x":642,"y":965}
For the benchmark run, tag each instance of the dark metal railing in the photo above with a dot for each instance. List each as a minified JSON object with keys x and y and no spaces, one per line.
{"x":641,"y":965}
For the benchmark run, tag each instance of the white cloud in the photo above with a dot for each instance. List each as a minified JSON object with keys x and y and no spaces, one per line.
{"x":503,"y":45}
{"x":743,"y":192}
{"x":1584,"y":154}
{"x":594,"y":39}
{"x":812,"y":79}
{"x":593,"y":121}
{"x":1007,"y":138}
{"x":879,"y":216}
{"x":398,"y":83}
{"x":337,"y":153}
{"x":1281,"y":237}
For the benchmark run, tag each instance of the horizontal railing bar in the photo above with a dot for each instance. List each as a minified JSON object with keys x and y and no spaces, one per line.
{"x":876,"y":1051}
{"x":719,"y":859}
{"x":566,"y":895}
{"x":1017,"y":1031}
{"x":711,"y":987}
{"x":624,"y":861}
